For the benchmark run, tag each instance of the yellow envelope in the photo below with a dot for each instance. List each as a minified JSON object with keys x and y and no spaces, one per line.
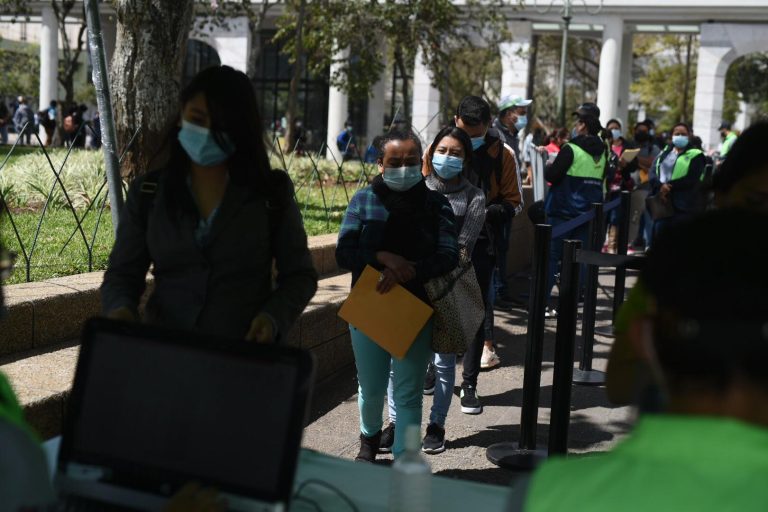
{"x":392,"y":320}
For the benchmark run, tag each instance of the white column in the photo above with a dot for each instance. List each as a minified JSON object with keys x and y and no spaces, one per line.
{"x":426,"y":102}
{"x":338,"y":111}
{"x":610,"y":61}
{"x":376,"y":109}
{"x":233,"y":44}
{"x":715,"y":55}
{"x":49,"y":58}
{"x":377,"y":105}
{"x":515,"y":60}
{"x":625,"y":80}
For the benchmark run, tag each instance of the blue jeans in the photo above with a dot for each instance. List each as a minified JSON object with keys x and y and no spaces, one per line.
{"x":4,"y":134}
{"x":373,"y":370}
{"x":556,"y":250}
{"x":445,"y":378}
{"x":645,"y":228}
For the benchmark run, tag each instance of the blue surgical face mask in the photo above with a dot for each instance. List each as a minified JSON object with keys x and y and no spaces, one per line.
{"x":616,"y":134}
{"x":574,"y":133}
{"x":403,"y":178}
{"x":680,"y":141}
{"x":446,"y":166}
{"x":477,"y":142}
{"x":522,"y":122}
{"x":200,"y":145}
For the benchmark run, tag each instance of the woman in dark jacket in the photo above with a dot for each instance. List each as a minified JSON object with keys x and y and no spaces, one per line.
{"x":408,"y":232}
{"x":676,"y":176}
{"x":212,"y":222}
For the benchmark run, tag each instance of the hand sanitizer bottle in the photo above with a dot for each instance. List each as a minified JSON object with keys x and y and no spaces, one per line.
{"x":411,"y":477}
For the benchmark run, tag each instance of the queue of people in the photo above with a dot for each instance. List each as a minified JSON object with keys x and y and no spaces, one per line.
{"x":59,"y":126}
{"x":222,"y":234}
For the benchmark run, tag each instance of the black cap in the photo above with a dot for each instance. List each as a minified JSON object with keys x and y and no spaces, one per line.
{"x":587,"y":109}
{"x":725,"y":125}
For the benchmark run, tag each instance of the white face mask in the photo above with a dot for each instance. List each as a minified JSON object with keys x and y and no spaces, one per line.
{"x":402,"y":178}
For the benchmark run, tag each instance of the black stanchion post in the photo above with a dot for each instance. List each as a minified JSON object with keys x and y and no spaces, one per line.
{"x":565,"y":341}
{"x":525,"y":455}
{"x":625,"y":210}
{"x":585,"y":374}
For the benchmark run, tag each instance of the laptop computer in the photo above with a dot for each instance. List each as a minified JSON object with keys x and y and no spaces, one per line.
{"x":152,"y":409}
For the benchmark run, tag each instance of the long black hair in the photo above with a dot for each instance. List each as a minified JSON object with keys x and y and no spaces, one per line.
{"x":234,"y":113}
{"x":454,"y":133}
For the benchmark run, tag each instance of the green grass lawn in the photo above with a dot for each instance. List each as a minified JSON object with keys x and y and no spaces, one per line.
{"x":51,"y":256}
{"x":26,"y":178}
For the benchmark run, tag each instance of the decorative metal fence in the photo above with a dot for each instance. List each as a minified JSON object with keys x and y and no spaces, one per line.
{"x":55,"y":210}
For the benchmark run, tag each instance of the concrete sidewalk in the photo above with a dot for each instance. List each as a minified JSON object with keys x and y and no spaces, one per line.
{"x":595,"y":425}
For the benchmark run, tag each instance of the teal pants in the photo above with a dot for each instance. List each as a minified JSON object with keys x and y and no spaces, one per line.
{"x":373,"y":364}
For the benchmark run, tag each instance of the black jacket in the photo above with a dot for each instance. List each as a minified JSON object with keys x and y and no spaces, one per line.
{"x":221,"y":286}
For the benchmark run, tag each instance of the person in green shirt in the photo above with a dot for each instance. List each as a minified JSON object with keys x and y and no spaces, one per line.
{"x":702,"y":331}
{"x":728,"y":136}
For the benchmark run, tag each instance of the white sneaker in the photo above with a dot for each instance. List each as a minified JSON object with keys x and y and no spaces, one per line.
{"x":489,"y":359}
{"x":550,"y":313}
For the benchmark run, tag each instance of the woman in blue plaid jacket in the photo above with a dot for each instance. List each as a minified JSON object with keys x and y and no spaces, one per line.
{"x":408,"y":232}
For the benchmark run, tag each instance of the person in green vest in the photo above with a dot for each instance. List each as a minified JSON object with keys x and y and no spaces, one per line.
{"x":703,"y":334}
{"x":728,"y":136}
{"x":577,"y":178}
{"x":742,"y":182}
{"x":676,"y":176}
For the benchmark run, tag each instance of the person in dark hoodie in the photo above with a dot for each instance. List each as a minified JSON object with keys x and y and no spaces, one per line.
{"x":577,"y":176}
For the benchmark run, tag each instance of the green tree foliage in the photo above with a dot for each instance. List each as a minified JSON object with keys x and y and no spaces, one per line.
{"x":438,"y":28}
{"x":582,"y":65}
{"x":475,"y":71}
{"x":748,"y":76}
{"x":20,"y":69}
{"x":662,"y":84}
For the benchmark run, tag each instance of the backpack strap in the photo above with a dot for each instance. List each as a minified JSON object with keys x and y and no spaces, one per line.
{"x":280,"y":191}
{"x":147,"y":193}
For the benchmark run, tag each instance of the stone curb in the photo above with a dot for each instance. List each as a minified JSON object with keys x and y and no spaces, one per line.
{"x":53,"y":311}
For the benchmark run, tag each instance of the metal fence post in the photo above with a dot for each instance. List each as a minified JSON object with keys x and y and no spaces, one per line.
{"x":625,"y":210}
{"x":104,"y":101}
{"x":524,"y":455}
{"x":565,"y":341}
{"x":585,"y":374}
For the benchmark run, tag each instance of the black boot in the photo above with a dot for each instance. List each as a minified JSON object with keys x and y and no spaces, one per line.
{"x":369,"y":447}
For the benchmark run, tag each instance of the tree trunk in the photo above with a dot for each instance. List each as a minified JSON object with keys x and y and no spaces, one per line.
{"x":298,"y":69}
{"x":400,"y":61}
{"x":146,"y":75}
{"x":686,"y":82}
{"x":255,"y":22}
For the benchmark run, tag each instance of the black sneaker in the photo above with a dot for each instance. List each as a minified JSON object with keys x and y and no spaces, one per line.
{"x":387,"y":438}
{"x":369,"y":447}
{"x":470,"y":402}
{"x":429,"y":380}
{"x":434,"y":440}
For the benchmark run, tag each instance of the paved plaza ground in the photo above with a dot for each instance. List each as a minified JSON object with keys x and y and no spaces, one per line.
{"x":595,"y":425}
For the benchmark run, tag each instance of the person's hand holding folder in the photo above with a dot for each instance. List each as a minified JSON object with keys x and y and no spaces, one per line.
{"x":397,"y":270}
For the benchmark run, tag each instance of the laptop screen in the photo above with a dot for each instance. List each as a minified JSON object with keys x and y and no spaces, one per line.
{"x":172,"y":409}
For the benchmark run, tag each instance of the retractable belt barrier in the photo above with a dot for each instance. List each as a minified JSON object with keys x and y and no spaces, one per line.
{"x":526,"y":454}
